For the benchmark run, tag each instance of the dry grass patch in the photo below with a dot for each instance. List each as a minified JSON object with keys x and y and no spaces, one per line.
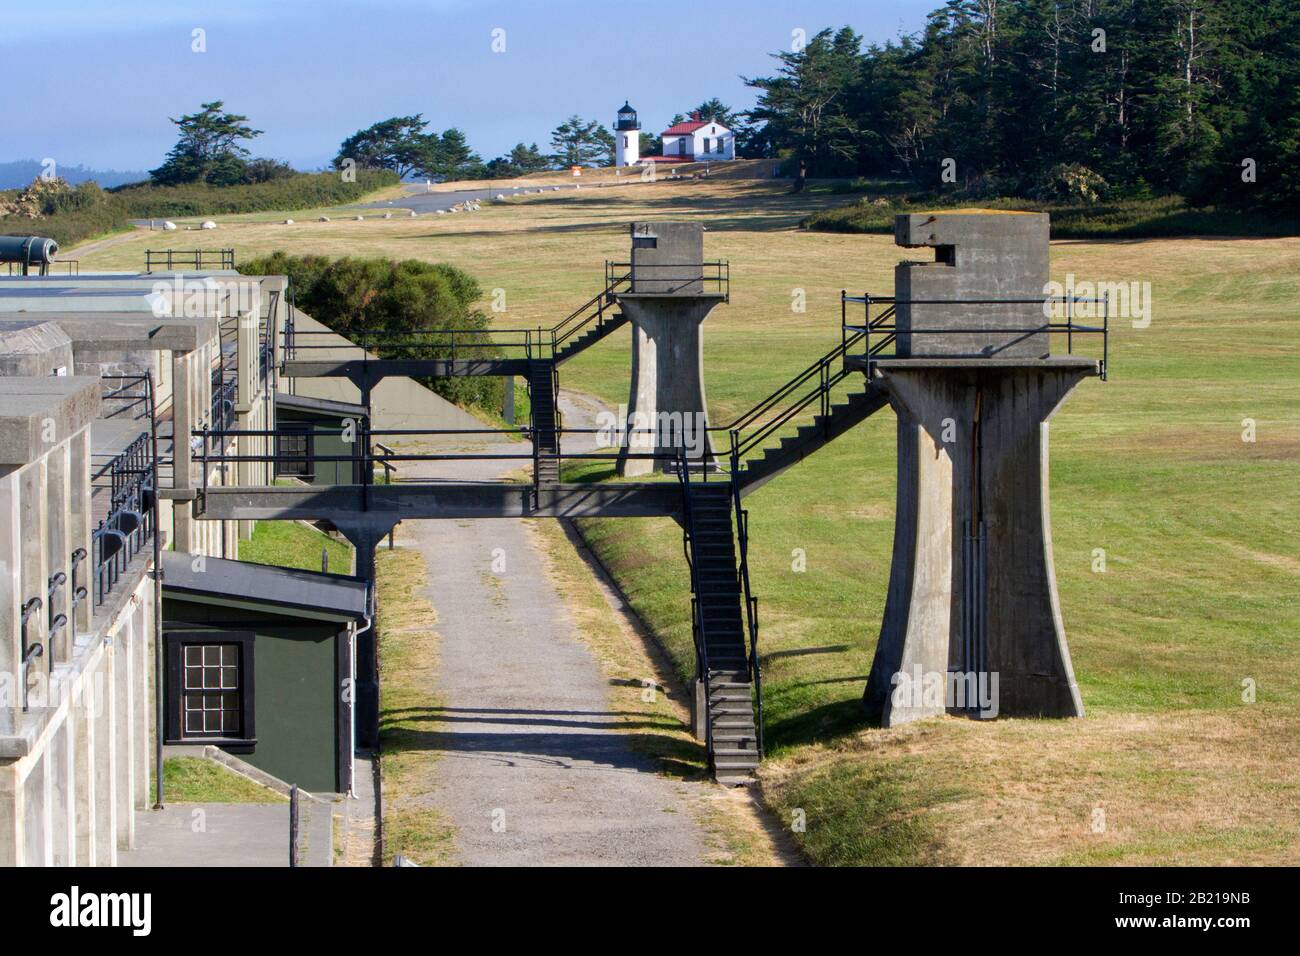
{"x":1191,"y":788}
{"x":408,"y":658}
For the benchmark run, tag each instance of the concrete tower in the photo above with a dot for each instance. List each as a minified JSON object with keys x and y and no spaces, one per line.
{"x":627,"y":133}
{"x":972,"y":592}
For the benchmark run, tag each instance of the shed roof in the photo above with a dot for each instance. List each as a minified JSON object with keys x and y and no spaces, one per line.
{"x":285,"y":590}
{"x":309,"y":403}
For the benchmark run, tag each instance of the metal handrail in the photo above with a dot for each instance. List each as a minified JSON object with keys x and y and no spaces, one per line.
{"x":890,"y":330}
{"x":715,"y":273}
{"x":697,"y":612}
{"x":751,"y":602}
{"x":194,"y":258}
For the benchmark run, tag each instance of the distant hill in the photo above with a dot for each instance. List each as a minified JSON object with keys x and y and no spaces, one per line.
{"x":21,"y":172}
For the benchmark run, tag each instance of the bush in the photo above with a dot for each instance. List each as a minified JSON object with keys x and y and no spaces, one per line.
{"x":353,"y":295}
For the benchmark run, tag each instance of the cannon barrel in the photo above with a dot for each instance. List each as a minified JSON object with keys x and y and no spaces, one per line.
{"x":29,"y":250}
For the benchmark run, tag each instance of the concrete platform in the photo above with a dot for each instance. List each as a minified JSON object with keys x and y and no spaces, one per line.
{"x":229,"y":834}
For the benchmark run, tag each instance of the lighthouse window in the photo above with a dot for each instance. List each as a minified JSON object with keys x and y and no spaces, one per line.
{"x":627,"y":140}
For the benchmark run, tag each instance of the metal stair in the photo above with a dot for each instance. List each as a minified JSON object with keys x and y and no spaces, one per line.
{"x":543,"y":391}
{"x":728,"y":668}
{"x":604,"y":325}
{"x":808,"y":438}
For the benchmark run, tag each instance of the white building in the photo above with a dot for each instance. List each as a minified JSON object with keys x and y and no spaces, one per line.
{"x":698,"y":141}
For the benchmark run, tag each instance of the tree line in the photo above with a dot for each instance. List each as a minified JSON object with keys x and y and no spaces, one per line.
{"x":1060,"y":98}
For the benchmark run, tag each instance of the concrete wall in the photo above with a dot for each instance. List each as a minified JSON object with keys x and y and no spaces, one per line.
{"x":979,"y":255}
{"x":74,"y":762}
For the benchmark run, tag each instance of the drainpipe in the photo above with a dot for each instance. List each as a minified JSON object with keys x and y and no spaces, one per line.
{"x":352,"y":751}
{"x":159,"y":696}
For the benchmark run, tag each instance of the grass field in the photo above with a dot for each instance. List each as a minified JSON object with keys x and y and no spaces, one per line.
{"x":1200,"y":529}
{"x":288,"y":544}
{"x":198,"y":780}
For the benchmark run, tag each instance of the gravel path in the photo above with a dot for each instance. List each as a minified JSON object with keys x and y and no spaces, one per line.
{"x":533,"y":769}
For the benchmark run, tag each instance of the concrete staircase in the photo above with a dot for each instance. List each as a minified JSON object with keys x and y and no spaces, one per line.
{"x":542,"y":389}
{"x":720,"y":632}
{"x":810,"y":437}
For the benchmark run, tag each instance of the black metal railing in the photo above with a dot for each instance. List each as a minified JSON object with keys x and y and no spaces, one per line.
{"x":169,"y":260}
{"x":699,"y":631}
{"x":72,"y":268}
{"x":674,"y":278}
{"x":221,"y":415}
{"x":880,"y":333}
{"x":129,"y":479}
{"x":369,"y":454}
{"x":811,"y":387}
{"x":751,"y":602}
{"x":540,"y":342}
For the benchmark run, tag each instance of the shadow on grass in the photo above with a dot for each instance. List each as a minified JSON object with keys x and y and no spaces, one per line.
{"x":818,"y":725}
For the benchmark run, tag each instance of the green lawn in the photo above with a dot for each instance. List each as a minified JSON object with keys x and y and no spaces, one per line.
{"x":197,"y":780}
{"x":1201,"y":532}
{"x":288,"y":544}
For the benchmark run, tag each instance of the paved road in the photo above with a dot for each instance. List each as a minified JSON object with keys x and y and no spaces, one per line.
{"x":532,"y":768}
{"x":421,"y":201}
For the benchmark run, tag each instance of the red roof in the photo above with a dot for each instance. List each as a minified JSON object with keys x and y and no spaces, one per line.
{"x":680,"y":129}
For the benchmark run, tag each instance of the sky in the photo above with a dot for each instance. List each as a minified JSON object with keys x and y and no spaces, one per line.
{"x":96,"y":81}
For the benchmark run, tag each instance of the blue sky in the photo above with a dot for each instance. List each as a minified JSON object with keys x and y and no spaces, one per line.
{"x":99,"y":79}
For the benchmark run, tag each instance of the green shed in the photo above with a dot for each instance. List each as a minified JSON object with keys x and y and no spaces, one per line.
{"x":309,"y":430}
{"x":260,"y":661}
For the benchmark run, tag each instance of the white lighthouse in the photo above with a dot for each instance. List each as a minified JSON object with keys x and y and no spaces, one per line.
{"x":627,"y":145}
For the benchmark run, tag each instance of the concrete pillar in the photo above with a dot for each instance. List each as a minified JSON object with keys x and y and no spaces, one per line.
{"x":185,"y":414}
{"x":142,"y":678}
{"x":124,"y":730}
{"x":10,"y":586}
{"x":106,"y":753}
{"x":58,"y":492}
{"x":13,"y":813}
{"x":80,"y":525}
{"x":62,"y":783}
{"x":972,"y":619}
{"x":667,"y":306}
{"x":972,"y":453}
{"x":82,"y":716}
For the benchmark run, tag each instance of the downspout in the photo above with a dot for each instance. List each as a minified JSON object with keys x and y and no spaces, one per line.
{"x":159,"y":696}
{"x":352,"y":750}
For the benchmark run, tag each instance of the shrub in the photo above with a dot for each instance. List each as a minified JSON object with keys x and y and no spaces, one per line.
{"x":352,"y":295}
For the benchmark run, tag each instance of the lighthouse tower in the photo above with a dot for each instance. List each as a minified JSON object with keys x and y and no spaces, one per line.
{"x":627,"y":144}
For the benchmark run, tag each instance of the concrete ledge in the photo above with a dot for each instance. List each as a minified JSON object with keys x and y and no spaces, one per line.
{"x":34,"y":409}
{"x":109,"y":331}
